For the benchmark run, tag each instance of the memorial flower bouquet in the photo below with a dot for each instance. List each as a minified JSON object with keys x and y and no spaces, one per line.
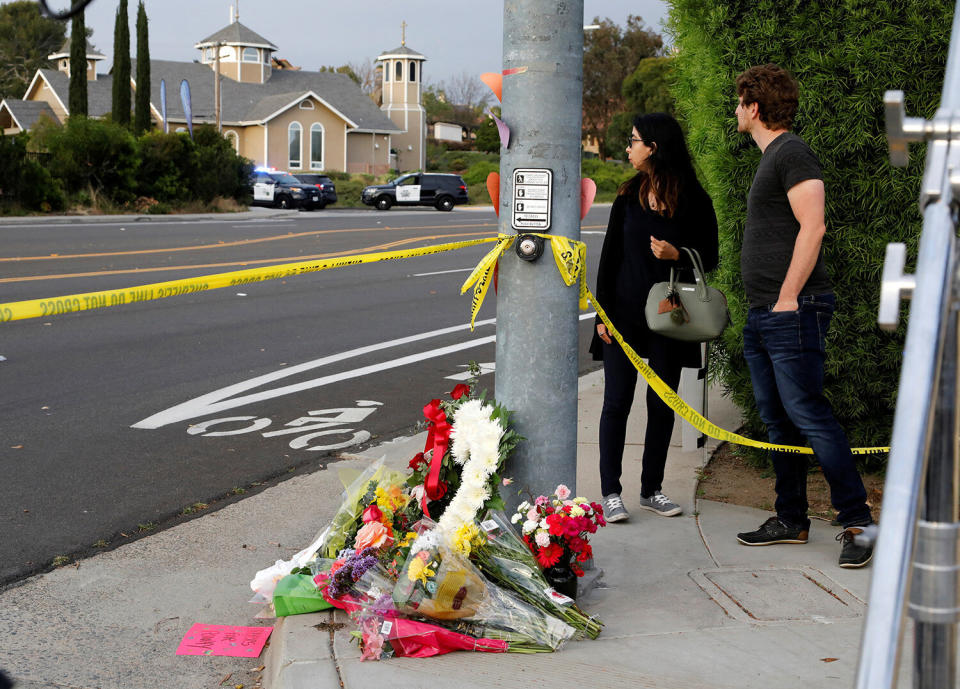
{"x":468,"y":440}
{"x":506,"y":560}
{"x":556,"y":528}
{"x":439,"y":583}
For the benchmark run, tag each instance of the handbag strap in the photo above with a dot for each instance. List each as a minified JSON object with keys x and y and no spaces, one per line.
{"x":699,"y":279}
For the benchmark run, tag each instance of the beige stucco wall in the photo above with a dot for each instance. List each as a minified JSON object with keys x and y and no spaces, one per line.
{"x":334,"y":137}
{"x":412,"y":120}
{"x":250,"y":72}
{"x":41,"y":91}
{"x":7,"y":125}
{"x":251,"y":142}
{"x":368,"y":153}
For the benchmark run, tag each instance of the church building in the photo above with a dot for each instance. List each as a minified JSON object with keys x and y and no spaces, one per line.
{"x":272,"y":113}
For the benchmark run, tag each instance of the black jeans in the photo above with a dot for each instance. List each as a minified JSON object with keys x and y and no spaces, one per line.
{"x":620,"y":382}
{"x":785,"y":352}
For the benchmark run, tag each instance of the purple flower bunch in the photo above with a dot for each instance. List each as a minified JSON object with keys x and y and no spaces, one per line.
{"x":353,"y":568}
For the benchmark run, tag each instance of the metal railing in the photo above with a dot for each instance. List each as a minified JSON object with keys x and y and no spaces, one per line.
{"x":917,"y":545}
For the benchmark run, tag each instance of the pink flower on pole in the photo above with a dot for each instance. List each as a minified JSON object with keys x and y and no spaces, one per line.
{"x":541,"y":501}
{"x":562,"y":492}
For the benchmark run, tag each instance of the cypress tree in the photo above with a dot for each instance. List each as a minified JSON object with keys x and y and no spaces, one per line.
{"x":844,"y":56}
{"x":78,"y":66}
{"x":141,"y":116}
{"x":121,"y":67}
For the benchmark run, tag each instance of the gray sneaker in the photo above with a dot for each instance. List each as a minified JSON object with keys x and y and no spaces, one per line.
{"x":660,"y":504}
{"x":613,"y":509}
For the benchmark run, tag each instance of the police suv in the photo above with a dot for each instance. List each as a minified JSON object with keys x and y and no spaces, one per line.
{"x":282,"y":190}
{"x":442,"y":191}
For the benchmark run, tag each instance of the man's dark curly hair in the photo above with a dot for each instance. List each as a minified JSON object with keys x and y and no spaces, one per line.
{"x":774,"y":89}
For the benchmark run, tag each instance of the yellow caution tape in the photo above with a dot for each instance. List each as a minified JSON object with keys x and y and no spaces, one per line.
{"x":570,"y":257}
{"x":482,"y":275}
{"x":37,"y":308}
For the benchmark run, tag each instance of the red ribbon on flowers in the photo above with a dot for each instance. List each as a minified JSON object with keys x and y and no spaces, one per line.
{"x":438,"y":436}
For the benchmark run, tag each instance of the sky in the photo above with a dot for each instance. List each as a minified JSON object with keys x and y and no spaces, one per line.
{"x":456,"y":37}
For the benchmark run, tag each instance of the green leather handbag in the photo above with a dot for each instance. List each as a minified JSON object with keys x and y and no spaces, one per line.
{"x":693,"y":312}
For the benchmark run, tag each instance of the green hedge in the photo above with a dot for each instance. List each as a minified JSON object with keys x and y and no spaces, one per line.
{"x":844,"y":54}
{"x":100,"y":163}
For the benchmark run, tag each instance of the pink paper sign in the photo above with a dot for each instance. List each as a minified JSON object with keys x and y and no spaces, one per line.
{"x":223,"y":640}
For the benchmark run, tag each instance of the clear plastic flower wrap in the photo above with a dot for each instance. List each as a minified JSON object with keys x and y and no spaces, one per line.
{"x":441,"y":584}
{"x":382,"y":631}
{"x":506,"y":560}
{"x":347,"y":521}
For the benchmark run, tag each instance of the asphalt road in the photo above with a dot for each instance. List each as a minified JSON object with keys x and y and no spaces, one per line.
{"x":121,"y":421}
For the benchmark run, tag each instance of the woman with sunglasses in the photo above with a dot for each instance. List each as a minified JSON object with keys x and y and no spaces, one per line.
{"x":657,"y":212}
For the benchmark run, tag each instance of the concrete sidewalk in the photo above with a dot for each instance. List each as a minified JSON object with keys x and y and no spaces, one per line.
{"x":685,"y":606}
{"x":683,"y":603}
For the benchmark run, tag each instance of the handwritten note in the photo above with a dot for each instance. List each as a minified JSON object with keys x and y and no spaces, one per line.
{"x":223,"y":640}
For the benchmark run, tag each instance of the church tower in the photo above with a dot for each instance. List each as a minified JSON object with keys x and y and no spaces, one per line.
{"x":402,"y":78}
{"x":244,"y":54}
{"x":61,"y":59}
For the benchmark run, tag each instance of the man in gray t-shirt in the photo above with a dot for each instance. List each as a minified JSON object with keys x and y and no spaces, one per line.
{"x":772,"y":227}
{"x":791,"y":303}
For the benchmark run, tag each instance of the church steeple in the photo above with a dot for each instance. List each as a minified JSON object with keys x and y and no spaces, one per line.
{"x":61,"y":59}
{"x":244,"y":54}
{"x":402,"y":78}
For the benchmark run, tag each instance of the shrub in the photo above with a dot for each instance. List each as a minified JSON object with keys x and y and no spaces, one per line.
{"x":348,"y":191}
{"x":608,"y":175}
{"x":217,"y":169}
{"x":844,"y":55}
{"x":166,"y":161}
{"x":24,"y":181}
{"x":477,"y":173}
{"x":96,"y":156}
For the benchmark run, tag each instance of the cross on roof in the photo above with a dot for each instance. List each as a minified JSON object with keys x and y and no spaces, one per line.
{"x":403,"y":33}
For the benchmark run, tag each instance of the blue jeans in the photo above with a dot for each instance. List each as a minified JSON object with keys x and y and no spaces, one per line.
{"x":785,"y":352}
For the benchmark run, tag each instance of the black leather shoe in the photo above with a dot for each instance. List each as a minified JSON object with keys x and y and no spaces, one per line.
{"x":852,"y":554}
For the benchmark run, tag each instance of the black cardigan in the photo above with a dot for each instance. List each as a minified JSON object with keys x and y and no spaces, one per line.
{"x":695,"y":222}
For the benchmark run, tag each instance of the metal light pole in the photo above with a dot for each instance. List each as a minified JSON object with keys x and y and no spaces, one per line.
{"x":536,"y":312}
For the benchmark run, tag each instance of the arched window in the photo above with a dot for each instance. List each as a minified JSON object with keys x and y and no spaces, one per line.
{"x":211,"y":54}
{"x":251,"y":55}
{"x":234,"y":140}
{"x":399,"y":74}
{"x":316,"y":146}
{"x":306,"y":105}
{"x":294,"y":136}
{"x":386,"y":71}
{"x":413,"y":70}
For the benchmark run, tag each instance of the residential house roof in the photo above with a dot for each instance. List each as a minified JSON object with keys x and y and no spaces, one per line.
{"x":99,"y":92}
{"x":26,"y":113}
{"x":236,"y":34}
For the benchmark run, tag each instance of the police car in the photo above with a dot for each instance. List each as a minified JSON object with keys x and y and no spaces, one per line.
{"x":442,"y":191}
{"x":282,"y":190}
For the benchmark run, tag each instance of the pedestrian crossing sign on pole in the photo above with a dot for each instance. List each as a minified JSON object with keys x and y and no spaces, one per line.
{"x":532,"y":191}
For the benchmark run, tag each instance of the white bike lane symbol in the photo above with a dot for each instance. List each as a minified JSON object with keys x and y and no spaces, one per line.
{"x":320,"y":423}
